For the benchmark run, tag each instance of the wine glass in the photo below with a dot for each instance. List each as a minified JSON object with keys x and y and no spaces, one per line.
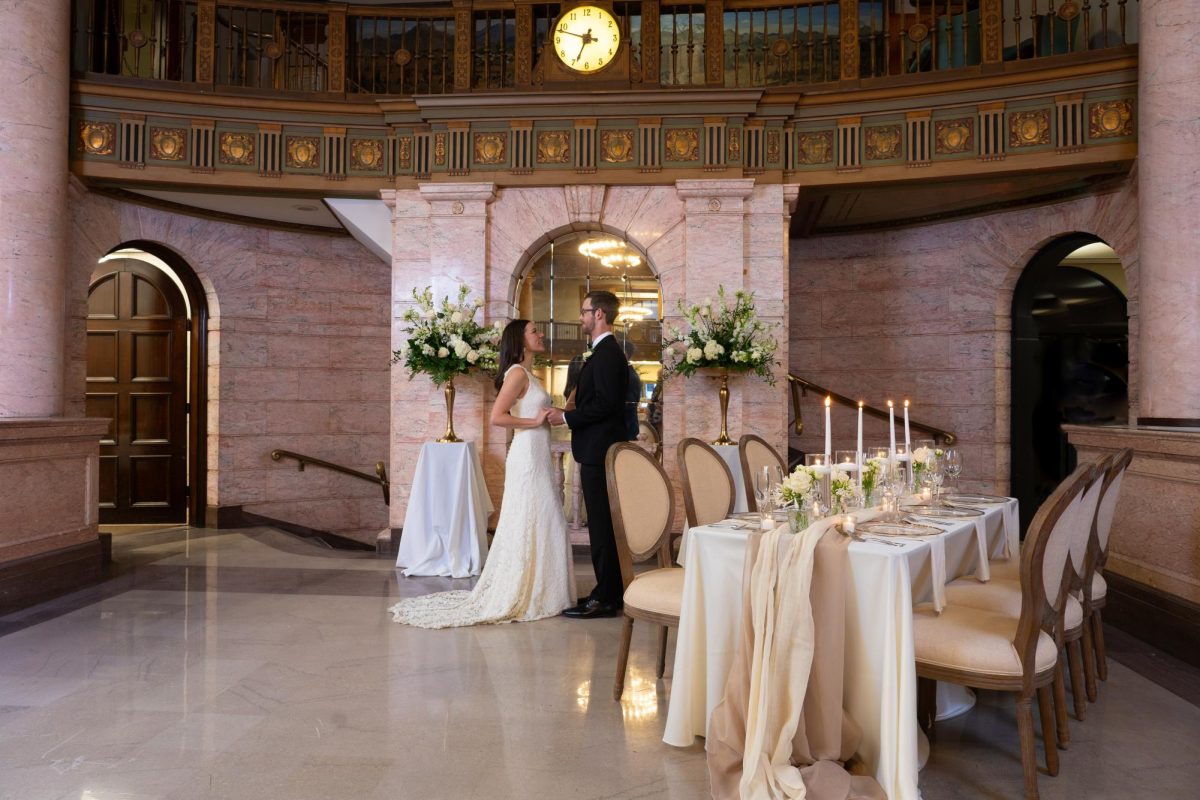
{"x":934,"y":469}
{"x":952,"y":464}
{"x":764,"y":492}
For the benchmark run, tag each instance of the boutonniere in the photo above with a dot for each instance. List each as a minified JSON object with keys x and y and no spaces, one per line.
{"x":587,"y":354}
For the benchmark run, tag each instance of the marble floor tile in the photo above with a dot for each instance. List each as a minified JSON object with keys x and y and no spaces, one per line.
{"x":245,"y":664}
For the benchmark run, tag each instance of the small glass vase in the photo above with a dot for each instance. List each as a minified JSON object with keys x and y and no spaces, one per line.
{"x":798,"y":518}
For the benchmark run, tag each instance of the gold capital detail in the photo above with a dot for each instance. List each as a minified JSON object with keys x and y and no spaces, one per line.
{"x":1110,"y":118}
{"x":97,"y":138}
{"x":303,"y":152}
{"x":553,"y":147}
{"x":954,"y":136}
{"x":168,"y":144}
{"x":404,"y":154}
{"x":882,"y":142}
{"x":734,"y":146}
{"x":683,"y":144}
{"x":815,"y":147}
{"x":489,"y":148}
{"x":1029,"y":128}
{"x":616,"y":147}
{"x":236,"y":148}
{"x":439,"y":149}
{"x":366,"y":155}
{"x":773,"y":146}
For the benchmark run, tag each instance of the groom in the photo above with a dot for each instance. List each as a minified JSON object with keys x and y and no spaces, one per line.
{"x":598,"y":422}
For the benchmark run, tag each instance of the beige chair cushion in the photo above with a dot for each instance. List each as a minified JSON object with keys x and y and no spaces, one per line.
{"x":644,"y":500}
{"x":659,"y":591}
{"x":974,"y":640}
{"x":1099,"y":586}
{"x":709,"y":484}
{"x":1002,"y":597}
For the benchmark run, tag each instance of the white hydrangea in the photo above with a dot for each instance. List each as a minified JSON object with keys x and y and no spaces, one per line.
{"x":694,"y":354}
{"x":922,"y":455}
{"x":713,"y":349}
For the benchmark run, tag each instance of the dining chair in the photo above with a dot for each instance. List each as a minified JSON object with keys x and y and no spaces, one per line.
{"x":643,"y":507}
{"x":985,"y":649}
{"x":1004,"y":596}
{"x":707,"y":483}
{"x":754,"y":453}
{"x":1094,"y":589}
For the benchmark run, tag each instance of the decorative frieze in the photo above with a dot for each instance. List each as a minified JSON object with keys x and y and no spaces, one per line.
{"x":682,"y":144}
{"x":883,"y":142}
{"x":168,"y":144}
{"x":814,"y":148}
{"x":236,"y":149}
{"x":303,"y":152}
{"x":616,"y":146}
{"x":490,"y":148}
{"x":96,"y":138}
{"x":553,"y":147}
{"x":1029,"y":128}
{"x":367,"y":155}
{"x":1110,"y":118}
{"x":952,"y":136}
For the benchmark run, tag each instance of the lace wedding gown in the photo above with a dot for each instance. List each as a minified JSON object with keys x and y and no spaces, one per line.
{"x":528,"y":574}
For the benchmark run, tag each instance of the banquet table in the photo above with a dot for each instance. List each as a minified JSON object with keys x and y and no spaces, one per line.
{"x":445,"y":525}
{"x":730,"y":455}
{"x":883,"y":585}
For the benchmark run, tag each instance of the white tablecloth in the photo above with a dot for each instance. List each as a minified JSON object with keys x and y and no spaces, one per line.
{"x":881,"y":682}
{"x":729,"y":453}
{"x":445,"y":526}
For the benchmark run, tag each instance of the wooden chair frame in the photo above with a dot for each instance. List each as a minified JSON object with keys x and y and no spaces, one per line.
{"x":627,"y":557}
{"x":689,"y":505}
{"x":1039,"y":613}
{"x":747,"y":473}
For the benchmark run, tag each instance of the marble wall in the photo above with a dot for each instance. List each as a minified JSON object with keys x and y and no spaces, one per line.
{"x":697,"y":234}
{"x":926,"y":313}
{"x":298,"y":356}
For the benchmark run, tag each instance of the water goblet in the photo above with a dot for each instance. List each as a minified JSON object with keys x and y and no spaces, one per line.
{"x":952,"y":464}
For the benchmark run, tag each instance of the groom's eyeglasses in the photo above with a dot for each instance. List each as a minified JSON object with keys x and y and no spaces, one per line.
{"x":587,"y":310}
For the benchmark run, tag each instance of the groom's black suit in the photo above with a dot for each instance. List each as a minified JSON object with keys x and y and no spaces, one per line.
{"x":597,"y":423}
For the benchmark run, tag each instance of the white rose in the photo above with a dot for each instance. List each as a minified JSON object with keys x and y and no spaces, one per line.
{"x":427,"y":349}
{"x":443,"y":352}
{"x":694,"y":354}
{"x":461,"y":349}
{"x":456,"y":318}
{"x":922,"y":454}
{"x":472,"y":356}
{"x":708,"y":302}
{"x":712,"y":349}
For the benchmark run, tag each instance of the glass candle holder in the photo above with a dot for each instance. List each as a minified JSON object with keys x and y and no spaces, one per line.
{"x":819,"y":464}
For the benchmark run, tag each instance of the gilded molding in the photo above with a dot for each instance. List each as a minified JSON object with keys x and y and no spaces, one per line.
{"x":366,"y":155}
{"x":404,"y":152}
{"x":683,"y":144}
{"x":992,"y":39}
{"x":814,"y":147}
{"x":1029,"y":128}
{"x":206,"y":21}
{"x":650,"y":41}
{"x":236,"y":149}
{"x":337,"y":50}
{"x":462,"y":49}
{"x":954,"y":136}
{"x":883,"y":142}
{"x":849,"y":28}
{"x":490,"y":147}
{"x":439,"y":149}
{"x":733,"y":144}
{"x":523,"y":64}
{"x":97,"y":138}
{"x":168,"y":144}
{"x":302,"y":152}
{"x":714,"y":42}
{"x":616,"y":147}
{"x":773,"y":146}
{"x":553,"y":147}
{"x":1110,"y":118}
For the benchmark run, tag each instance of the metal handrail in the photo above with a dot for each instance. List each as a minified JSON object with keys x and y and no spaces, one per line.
{"x":379,"y":477}
{"x":800,"y":387}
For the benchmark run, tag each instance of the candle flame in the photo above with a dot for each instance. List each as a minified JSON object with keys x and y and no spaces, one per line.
{"x":906,"y":404}
{"x":828,"y":401}
{"x":860,"y":403}
{"x":889,"y":403}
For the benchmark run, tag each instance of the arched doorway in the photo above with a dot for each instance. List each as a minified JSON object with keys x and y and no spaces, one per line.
{"x":146,"y":354}
{"x":550,"y":292}
{"x":1070,"y":359}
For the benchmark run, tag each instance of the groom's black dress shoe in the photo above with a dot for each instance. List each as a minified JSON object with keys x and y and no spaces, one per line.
{"x":592,"y":608}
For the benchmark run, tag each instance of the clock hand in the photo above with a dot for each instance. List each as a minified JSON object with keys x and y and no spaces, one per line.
{"x":587,"y":39}
{"x":570,"y":33}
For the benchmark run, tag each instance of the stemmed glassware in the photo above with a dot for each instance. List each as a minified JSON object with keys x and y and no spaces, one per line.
{"x":764,"y":493}
{"x":952,"y":464}
{"x":934,"y":469}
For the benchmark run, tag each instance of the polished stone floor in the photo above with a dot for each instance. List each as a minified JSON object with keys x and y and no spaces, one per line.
{"x":247,"y":664}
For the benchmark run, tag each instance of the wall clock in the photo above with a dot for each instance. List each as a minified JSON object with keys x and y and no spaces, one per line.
{"x":586,"y":39}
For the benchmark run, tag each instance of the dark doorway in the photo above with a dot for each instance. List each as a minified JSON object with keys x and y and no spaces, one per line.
{"x":1070,"y":360}
{"x":145,"y":357}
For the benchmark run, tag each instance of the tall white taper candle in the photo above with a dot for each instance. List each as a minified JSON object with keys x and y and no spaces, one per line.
{"x":828,"y":431}
{"x":892,"y":425}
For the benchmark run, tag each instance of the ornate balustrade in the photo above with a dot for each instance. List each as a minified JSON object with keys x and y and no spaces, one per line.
{"x":350,"y":99}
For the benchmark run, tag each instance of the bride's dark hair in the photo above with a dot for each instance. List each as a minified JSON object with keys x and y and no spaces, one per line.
{"x":512,"y":348}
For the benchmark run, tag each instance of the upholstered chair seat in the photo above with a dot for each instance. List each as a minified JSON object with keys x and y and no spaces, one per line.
{"x":1003,"y":597}
{"x":658,"y":591}
{"x":974,"y":640}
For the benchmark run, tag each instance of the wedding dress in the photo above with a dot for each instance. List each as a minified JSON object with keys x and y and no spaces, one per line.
{"x":529,"y":573}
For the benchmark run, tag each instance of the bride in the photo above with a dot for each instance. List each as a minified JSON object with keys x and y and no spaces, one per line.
{"x":528,"y":574}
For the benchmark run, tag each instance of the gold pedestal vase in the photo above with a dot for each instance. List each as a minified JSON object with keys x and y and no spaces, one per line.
{"x":449,"y":435}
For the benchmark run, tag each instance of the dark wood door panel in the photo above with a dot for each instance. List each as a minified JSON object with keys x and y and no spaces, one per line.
{"x":137,"y":328}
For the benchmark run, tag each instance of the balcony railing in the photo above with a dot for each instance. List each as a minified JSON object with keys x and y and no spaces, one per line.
{"x":495,"y":45}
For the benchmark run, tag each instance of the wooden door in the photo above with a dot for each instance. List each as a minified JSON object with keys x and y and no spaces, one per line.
{"x":137,"y":377}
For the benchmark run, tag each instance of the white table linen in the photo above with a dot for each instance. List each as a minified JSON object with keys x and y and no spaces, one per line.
{"x":445,"y":525}
{"x":729,"y":454}
{"x":883,"y":585}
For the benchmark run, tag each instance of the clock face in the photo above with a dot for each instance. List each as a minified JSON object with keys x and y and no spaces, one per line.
{"x":586,"y":39}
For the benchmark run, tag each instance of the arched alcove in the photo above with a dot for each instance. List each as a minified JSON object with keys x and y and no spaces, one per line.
{"x":182,"y":311}
{"x":1070,"y":358}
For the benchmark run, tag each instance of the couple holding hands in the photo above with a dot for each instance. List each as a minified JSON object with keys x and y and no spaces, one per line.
{"x":529,"y":572}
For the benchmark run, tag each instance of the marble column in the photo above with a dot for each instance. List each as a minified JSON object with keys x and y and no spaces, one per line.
{"x":33,"y":199}
{"x":1168,"y":205}
{"x":439,"y":240}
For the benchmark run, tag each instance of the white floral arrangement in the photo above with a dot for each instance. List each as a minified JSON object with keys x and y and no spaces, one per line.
{"x":872,"y":469}
{"x":922,"y":459}
{"x":721,"y":335}
{"x":798,"y":488}
{"x":841,"y":489}
{"x":445,"y":340}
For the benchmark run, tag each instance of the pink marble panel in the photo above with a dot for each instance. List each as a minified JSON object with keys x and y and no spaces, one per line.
{"x":660,"y":210}
{"x":584,"y":203}
{"x":621,"y":204}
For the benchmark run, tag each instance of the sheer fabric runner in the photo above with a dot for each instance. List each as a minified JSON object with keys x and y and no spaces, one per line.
{"x":780,"y":731}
